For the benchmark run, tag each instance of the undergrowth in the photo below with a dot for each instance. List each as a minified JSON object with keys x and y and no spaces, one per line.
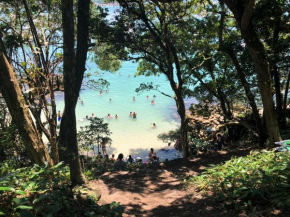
{"x":45,"y":191}
{"x":261,"y":178}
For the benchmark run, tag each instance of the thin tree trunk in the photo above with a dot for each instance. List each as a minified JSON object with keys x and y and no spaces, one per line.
{"x":69,"y":93}
{"x":81,"y":57}
{"x":286,"y":94}
{"x":249,"y":95}
{"x":18,"y":109}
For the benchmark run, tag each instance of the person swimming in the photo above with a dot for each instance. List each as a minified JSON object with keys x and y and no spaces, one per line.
{"x":116,"y":116}
{"x":93,"y":115}
{"x":153,"y":125}
{"x":130,"y":114}
{"x":109,"y":116}
{"x":101,"y":92}
{"x":82,"y":102}
{"x":134,"y":115}
{"x":134,"y":98}
{"x":152,"y":102}
{"x":147,"y":97}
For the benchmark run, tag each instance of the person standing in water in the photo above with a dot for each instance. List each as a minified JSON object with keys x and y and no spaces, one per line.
{"x":103,"y":144}
{"x":134,"y":115}
{"x":58,"y":116}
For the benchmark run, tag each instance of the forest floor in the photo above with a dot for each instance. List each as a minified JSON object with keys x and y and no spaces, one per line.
{"x":159,"y":190}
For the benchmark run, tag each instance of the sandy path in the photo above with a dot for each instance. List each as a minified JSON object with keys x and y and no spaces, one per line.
{"x":141,"y":192}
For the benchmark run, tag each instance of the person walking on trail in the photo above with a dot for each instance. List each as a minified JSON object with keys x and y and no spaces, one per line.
{"x":103,"y":144}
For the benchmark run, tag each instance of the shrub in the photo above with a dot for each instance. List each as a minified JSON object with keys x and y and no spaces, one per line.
{"x":251,"y":180}
{"x":45,"y":191}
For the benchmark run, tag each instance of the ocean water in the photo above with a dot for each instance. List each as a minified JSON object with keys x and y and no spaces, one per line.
{"x":130,"y":136}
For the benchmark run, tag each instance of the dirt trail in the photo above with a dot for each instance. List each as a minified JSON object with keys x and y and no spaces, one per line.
{"x":158,"y":190}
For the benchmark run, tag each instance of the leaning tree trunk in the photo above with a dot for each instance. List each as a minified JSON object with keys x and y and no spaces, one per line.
{"x":18,"y":109}
{"x":249,"y":95}
{"x":242,"y":11}
{"x":69,"y":93}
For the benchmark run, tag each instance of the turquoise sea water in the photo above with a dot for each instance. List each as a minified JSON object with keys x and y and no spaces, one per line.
{"x":130,"y":136}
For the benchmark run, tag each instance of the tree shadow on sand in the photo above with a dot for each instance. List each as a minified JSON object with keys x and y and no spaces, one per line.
{"x":151,"y":190}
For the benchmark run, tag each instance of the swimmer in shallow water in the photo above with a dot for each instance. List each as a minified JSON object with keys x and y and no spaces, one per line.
{"x":134,"y":115}
{"x":82,"y":102}
{"x":153,"y":125}
{"x":134,"y":98}
{"x":152,"y":102}
{"x":130,"y":114}
{"x":109,"y":116}
{"x":93,"y":115}
{"x":116,"y":116}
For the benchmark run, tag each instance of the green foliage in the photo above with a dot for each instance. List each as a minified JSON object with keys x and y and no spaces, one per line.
{"x":45,"y":191}
{"x":93,"y":134}
{"x":11,"y":145}
{"x":170,"y":136}
{"x":260,"y":177}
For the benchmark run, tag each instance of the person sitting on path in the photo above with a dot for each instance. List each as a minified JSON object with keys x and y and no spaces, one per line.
{"x":113,"y":158}
{"x":119,"y":163}
{"x":151,"y":155}
{"x":130,"y":159}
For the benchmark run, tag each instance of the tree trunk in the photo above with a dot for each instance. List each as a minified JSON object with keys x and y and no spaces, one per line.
{"x":18,"y":109}
{"x":242,"y":11}
{"x":249,"y":95}
{"x":286,"y":94}
{"x":184,"y":125}
{"x":81,"y":57}
{"x":69,"y":93}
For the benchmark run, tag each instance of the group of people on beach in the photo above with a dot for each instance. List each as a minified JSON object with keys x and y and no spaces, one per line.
{"x":120,"y":162}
